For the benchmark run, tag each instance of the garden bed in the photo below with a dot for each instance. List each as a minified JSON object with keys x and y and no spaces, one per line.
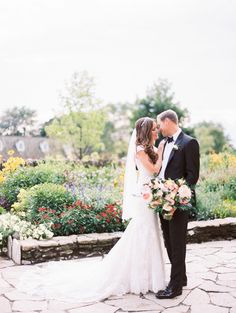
{"x":32,"y":251}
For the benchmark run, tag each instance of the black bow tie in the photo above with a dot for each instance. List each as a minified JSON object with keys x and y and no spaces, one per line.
{"x":170,"y":139}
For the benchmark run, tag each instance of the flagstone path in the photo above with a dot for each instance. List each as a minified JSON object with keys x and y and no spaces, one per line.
{"x":211,"y":268}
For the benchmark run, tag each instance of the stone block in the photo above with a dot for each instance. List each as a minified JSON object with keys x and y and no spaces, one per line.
{"x":29,"y":244}
{"x":16,"y":251}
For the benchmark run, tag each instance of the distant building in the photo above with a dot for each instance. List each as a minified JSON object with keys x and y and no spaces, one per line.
{"x":34,"y":147}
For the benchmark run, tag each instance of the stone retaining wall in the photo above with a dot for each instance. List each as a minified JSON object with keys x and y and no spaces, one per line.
{"x":79,"y":246}
{"x":218,"y":229}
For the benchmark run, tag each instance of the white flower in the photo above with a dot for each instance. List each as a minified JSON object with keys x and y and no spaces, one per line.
{"x":181,"y":181}
{"x":167,"y":207}
{"x":184,"y":192}
{"x":175,"y":147}
{"x":10,"y":223}
{"x":159,"y":194}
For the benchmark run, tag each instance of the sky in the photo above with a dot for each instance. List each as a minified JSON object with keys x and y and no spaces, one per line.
{"x":126,"y":45}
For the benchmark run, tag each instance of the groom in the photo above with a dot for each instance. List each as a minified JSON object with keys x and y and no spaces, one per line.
{"x":180,"y":160}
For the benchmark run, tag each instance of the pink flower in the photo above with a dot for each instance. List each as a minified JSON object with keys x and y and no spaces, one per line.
{"x":147,"y":193}
{"x":170,"y":184}
{"x":170,"y":199}
{"x":182,"y":201}
{"x":147,"y":197}
{"x":155,"y":203}
{"x":159,"y":193}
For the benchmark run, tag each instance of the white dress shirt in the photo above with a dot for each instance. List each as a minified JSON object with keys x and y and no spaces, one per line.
{"x":166,"y":154}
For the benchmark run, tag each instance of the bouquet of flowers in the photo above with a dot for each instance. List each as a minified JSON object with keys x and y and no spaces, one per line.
{"x":166,"y":196}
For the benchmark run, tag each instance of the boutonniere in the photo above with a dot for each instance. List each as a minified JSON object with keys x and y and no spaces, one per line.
{"x":175,"y":147}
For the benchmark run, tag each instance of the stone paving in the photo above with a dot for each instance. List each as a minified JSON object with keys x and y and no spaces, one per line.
{"x":211,"y":268}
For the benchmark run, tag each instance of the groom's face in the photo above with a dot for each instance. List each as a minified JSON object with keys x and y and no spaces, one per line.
{"x":163,"y":126}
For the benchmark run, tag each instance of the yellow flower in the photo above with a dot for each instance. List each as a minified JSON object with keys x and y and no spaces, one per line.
{"x":10,"y":165}
{"x":221,"y":160}
{"x":2,"y":178}
{"x":10,"y":152}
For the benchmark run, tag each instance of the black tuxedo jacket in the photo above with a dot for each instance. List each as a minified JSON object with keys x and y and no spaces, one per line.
{"x":184,"y":162}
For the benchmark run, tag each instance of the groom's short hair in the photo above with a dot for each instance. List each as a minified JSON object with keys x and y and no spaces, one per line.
{"x":170,"y":114}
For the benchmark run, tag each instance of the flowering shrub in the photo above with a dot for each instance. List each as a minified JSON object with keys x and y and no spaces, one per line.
{"x":10,"y":224}
{"x":10,"y":165}
{"x":229,"y":207}
{"x":221,"y":160}
{"x":110,"y":218}
{"x":216,"y":190}
{"x":49,"y":195}
{"x":27,"y":177}
{"x":80,"y":218}
{"x":96,"y":187}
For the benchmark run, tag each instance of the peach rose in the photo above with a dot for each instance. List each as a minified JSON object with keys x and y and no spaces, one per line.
{"x":147,"y":193}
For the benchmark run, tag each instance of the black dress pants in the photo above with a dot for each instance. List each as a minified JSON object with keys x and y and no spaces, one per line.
{"x":175,"y":233}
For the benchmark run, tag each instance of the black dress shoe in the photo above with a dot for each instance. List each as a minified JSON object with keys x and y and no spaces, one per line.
{"x":159,"y":292}
{"x":185,"y":283}
{"x":168,"y":293}
{"x":162,"y":290}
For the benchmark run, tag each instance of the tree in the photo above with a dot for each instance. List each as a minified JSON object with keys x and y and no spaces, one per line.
{"x":82,"y":123}
{"x":42,"y":128}
{"x":211,"y":137}
{"x":79,"y":94}
{"x":17,"y":121}
{"x":117,"y":129}
{"x":81,"y":130}
{"x":158,"y":99}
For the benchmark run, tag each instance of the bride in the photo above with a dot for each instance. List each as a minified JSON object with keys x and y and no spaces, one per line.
{"x":135,"y":264}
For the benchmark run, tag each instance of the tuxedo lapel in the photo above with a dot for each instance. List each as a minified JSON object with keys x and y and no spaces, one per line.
{"x":177,"y":143}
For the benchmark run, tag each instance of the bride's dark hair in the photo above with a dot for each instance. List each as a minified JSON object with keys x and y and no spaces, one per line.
{"x":144,"y":127}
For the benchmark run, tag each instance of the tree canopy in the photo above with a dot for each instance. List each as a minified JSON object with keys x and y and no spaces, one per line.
{"x":82,"y":122}
{"x":159,"y":98}
{"x":211,"y":136}
{"x":17,"y":121}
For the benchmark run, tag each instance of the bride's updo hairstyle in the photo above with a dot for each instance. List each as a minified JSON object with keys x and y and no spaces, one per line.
{"x":144,"y":127}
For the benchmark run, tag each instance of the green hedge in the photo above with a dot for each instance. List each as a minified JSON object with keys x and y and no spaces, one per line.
{"x":26,"y":177}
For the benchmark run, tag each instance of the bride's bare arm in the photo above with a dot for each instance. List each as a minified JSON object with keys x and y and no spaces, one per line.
{"x":144,"y":159}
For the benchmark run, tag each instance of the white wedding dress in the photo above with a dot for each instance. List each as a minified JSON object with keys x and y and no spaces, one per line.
{"x":135,"y":264}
